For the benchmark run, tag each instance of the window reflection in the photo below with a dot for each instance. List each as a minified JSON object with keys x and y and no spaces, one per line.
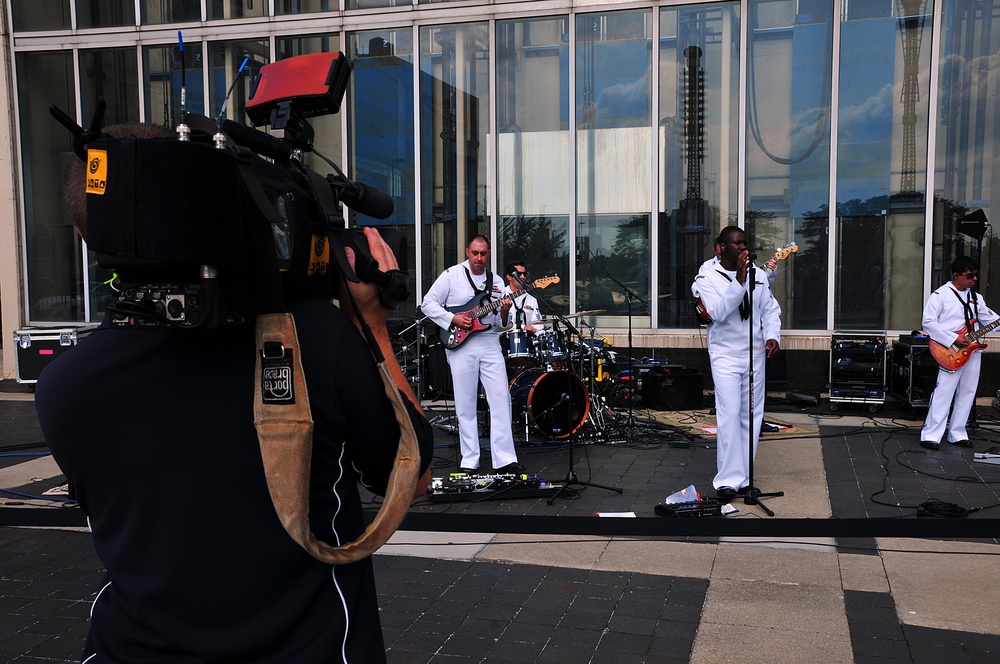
{"x":698,"y":145}
{"x":104,"y":13}
{"x":163,"y":78}
{"x":170,"y":11}
{"x":533,"y":151}
{"x":454,"y":124}
{"x":381,"y":137}
{"x":789,"y":78}
{"x":30,"y":15}
{"x":613,"y":157}
{"x":881,"y":168}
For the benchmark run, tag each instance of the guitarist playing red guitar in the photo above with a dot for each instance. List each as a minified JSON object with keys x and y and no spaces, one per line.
{"x":956,"y":318}
{"x":453,"y":303}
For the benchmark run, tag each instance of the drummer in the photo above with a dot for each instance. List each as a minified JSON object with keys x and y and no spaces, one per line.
{"x":524,"y":314}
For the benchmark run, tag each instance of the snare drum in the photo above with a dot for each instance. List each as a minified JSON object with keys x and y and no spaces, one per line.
{"x":554,"y":402}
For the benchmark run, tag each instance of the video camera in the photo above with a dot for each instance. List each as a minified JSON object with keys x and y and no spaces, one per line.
{"x":219,"y":222}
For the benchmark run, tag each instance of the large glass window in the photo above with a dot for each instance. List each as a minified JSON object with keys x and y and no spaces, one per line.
{"x":304,"y":6}
{"x":230,"y":9}
{"x":164,"y":77}
{"x":381,"y":134}
{"x":104,"y":13}
{"x":698,"y":145}
{"x":613,"y":106}
{"x":967,"y":176}
{"x":533,"y":151}
{"x":225,"y":61}
{"x":881,"y":167}
{"x":52,"y":249}
{"x":454,"y":130}
{"x":789,"y":85}
{"x":29,"y":15}
{"x":170,"y":11}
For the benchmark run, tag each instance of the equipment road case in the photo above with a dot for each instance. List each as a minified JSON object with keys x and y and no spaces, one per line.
{"x":36,"y":347}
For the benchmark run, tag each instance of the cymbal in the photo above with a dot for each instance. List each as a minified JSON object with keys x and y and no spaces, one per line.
{"x":582,"y":313}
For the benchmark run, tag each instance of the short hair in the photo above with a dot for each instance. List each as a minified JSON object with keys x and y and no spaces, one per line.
{"x":963,"y":264}
{"x":74,"y":174}
{"x":511,"y":265}
{"x":726,"y":232}
{"x":478,"y":237}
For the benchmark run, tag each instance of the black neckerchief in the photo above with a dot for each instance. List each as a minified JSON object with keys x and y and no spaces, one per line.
{"x":745,"y":304}
{"x":970,"y":306}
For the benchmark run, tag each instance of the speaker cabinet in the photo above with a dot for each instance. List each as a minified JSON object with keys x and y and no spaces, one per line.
{"x":671,"y":388}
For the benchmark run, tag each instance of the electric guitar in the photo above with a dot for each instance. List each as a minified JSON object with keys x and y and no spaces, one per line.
{"x":482,"y":305}
{"x":952,"y":358}
{"x":699,"y":308}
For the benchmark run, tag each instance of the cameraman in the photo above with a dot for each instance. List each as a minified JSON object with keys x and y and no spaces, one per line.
{"x":154,"y":429}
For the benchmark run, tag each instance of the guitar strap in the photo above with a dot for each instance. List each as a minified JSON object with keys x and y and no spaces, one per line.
{"x":487,"y":285}
{"x":970,"y":306}
{"x":745,"y":305}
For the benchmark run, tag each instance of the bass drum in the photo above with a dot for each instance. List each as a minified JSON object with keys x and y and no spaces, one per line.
{"x":554,"y":402}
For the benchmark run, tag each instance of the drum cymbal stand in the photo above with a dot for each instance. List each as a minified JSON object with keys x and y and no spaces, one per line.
{"x":596,"y":411}
{"x":418,"y":361}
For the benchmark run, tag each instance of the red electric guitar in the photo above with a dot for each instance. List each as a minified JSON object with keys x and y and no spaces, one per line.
{"x":952,"y":358}
{"x":699,"y":308}
{"x":481,"y":305}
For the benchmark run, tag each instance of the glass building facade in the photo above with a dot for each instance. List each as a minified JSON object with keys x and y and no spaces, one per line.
{"x":608,"y":147}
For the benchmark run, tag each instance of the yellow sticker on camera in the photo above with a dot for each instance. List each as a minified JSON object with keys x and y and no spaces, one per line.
{"x":319,"y":258}
{"x":97,"y":172}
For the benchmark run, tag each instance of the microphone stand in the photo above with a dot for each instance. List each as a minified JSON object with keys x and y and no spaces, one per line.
{"x":753,"y":494}
{"x":630,"y":296}
{"x":571,"y":476}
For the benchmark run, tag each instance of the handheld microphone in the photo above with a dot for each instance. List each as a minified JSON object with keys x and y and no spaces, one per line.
{"x":752,"y":256}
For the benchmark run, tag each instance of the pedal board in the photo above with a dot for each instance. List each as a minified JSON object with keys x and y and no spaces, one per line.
{"x":696,"y":508}
{"x":991,"y":456}
{"x":464,"y":487}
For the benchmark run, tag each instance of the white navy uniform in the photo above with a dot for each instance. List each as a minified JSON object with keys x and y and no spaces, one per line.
{"x":478,"y":358}
{"x":944,"y":313}
{"x":729,"y":350}
{"x":713,"y":262}
{"x":524,"y":310}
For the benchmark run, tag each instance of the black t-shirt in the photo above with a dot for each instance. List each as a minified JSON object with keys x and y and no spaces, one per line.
{"x":154,"y":430}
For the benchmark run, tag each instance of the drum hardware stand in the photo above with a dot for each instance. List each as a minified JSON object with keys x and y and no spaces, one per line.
{"x":630,"y":296}
{"x":418,"y":361}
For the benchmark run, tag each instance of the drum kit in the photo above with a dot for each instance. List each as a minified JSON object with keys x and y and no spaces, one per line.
{"x":561,"y":382}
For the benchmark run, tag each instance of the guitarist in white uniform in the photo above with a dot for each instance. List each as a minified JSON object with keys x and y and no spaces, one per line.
{"x":952,"y":313}
{"x":477,"y":357}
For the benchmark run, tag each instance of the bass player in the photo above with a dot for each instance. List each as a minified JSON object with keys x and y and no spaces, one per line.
{"x":478,"y":358}
{"x":954,"y":312}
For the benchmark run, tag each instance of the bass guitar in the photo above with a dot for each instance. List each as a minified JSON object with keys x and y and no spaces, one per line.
{"x":699,"y":308}
{"x":952,"y":358}
{"x":482,"y":305}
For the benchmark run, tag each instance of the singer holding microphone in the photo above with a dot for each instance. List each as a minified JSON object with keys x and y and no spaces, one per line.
{"x":724,"y":294}
{"x":478,"y":358}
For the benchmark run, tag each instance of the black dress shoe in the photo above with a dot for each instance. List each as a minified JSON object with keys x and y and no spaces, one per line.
{"x":726,"y":492}
{"x":930,"y":444}
{"x":468,"y":471}
{"x":515,"y":468}
{"x":961,"y":443}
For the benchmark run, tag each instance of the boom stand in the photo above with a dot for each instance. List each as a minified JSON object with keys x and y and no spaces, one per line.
{"x":572,"y":479}
{"x":753,"y":494}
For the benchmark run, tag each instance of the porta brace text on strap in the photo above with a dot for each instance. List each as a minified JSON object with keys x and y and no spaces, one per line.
{"x":285,"y":427}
